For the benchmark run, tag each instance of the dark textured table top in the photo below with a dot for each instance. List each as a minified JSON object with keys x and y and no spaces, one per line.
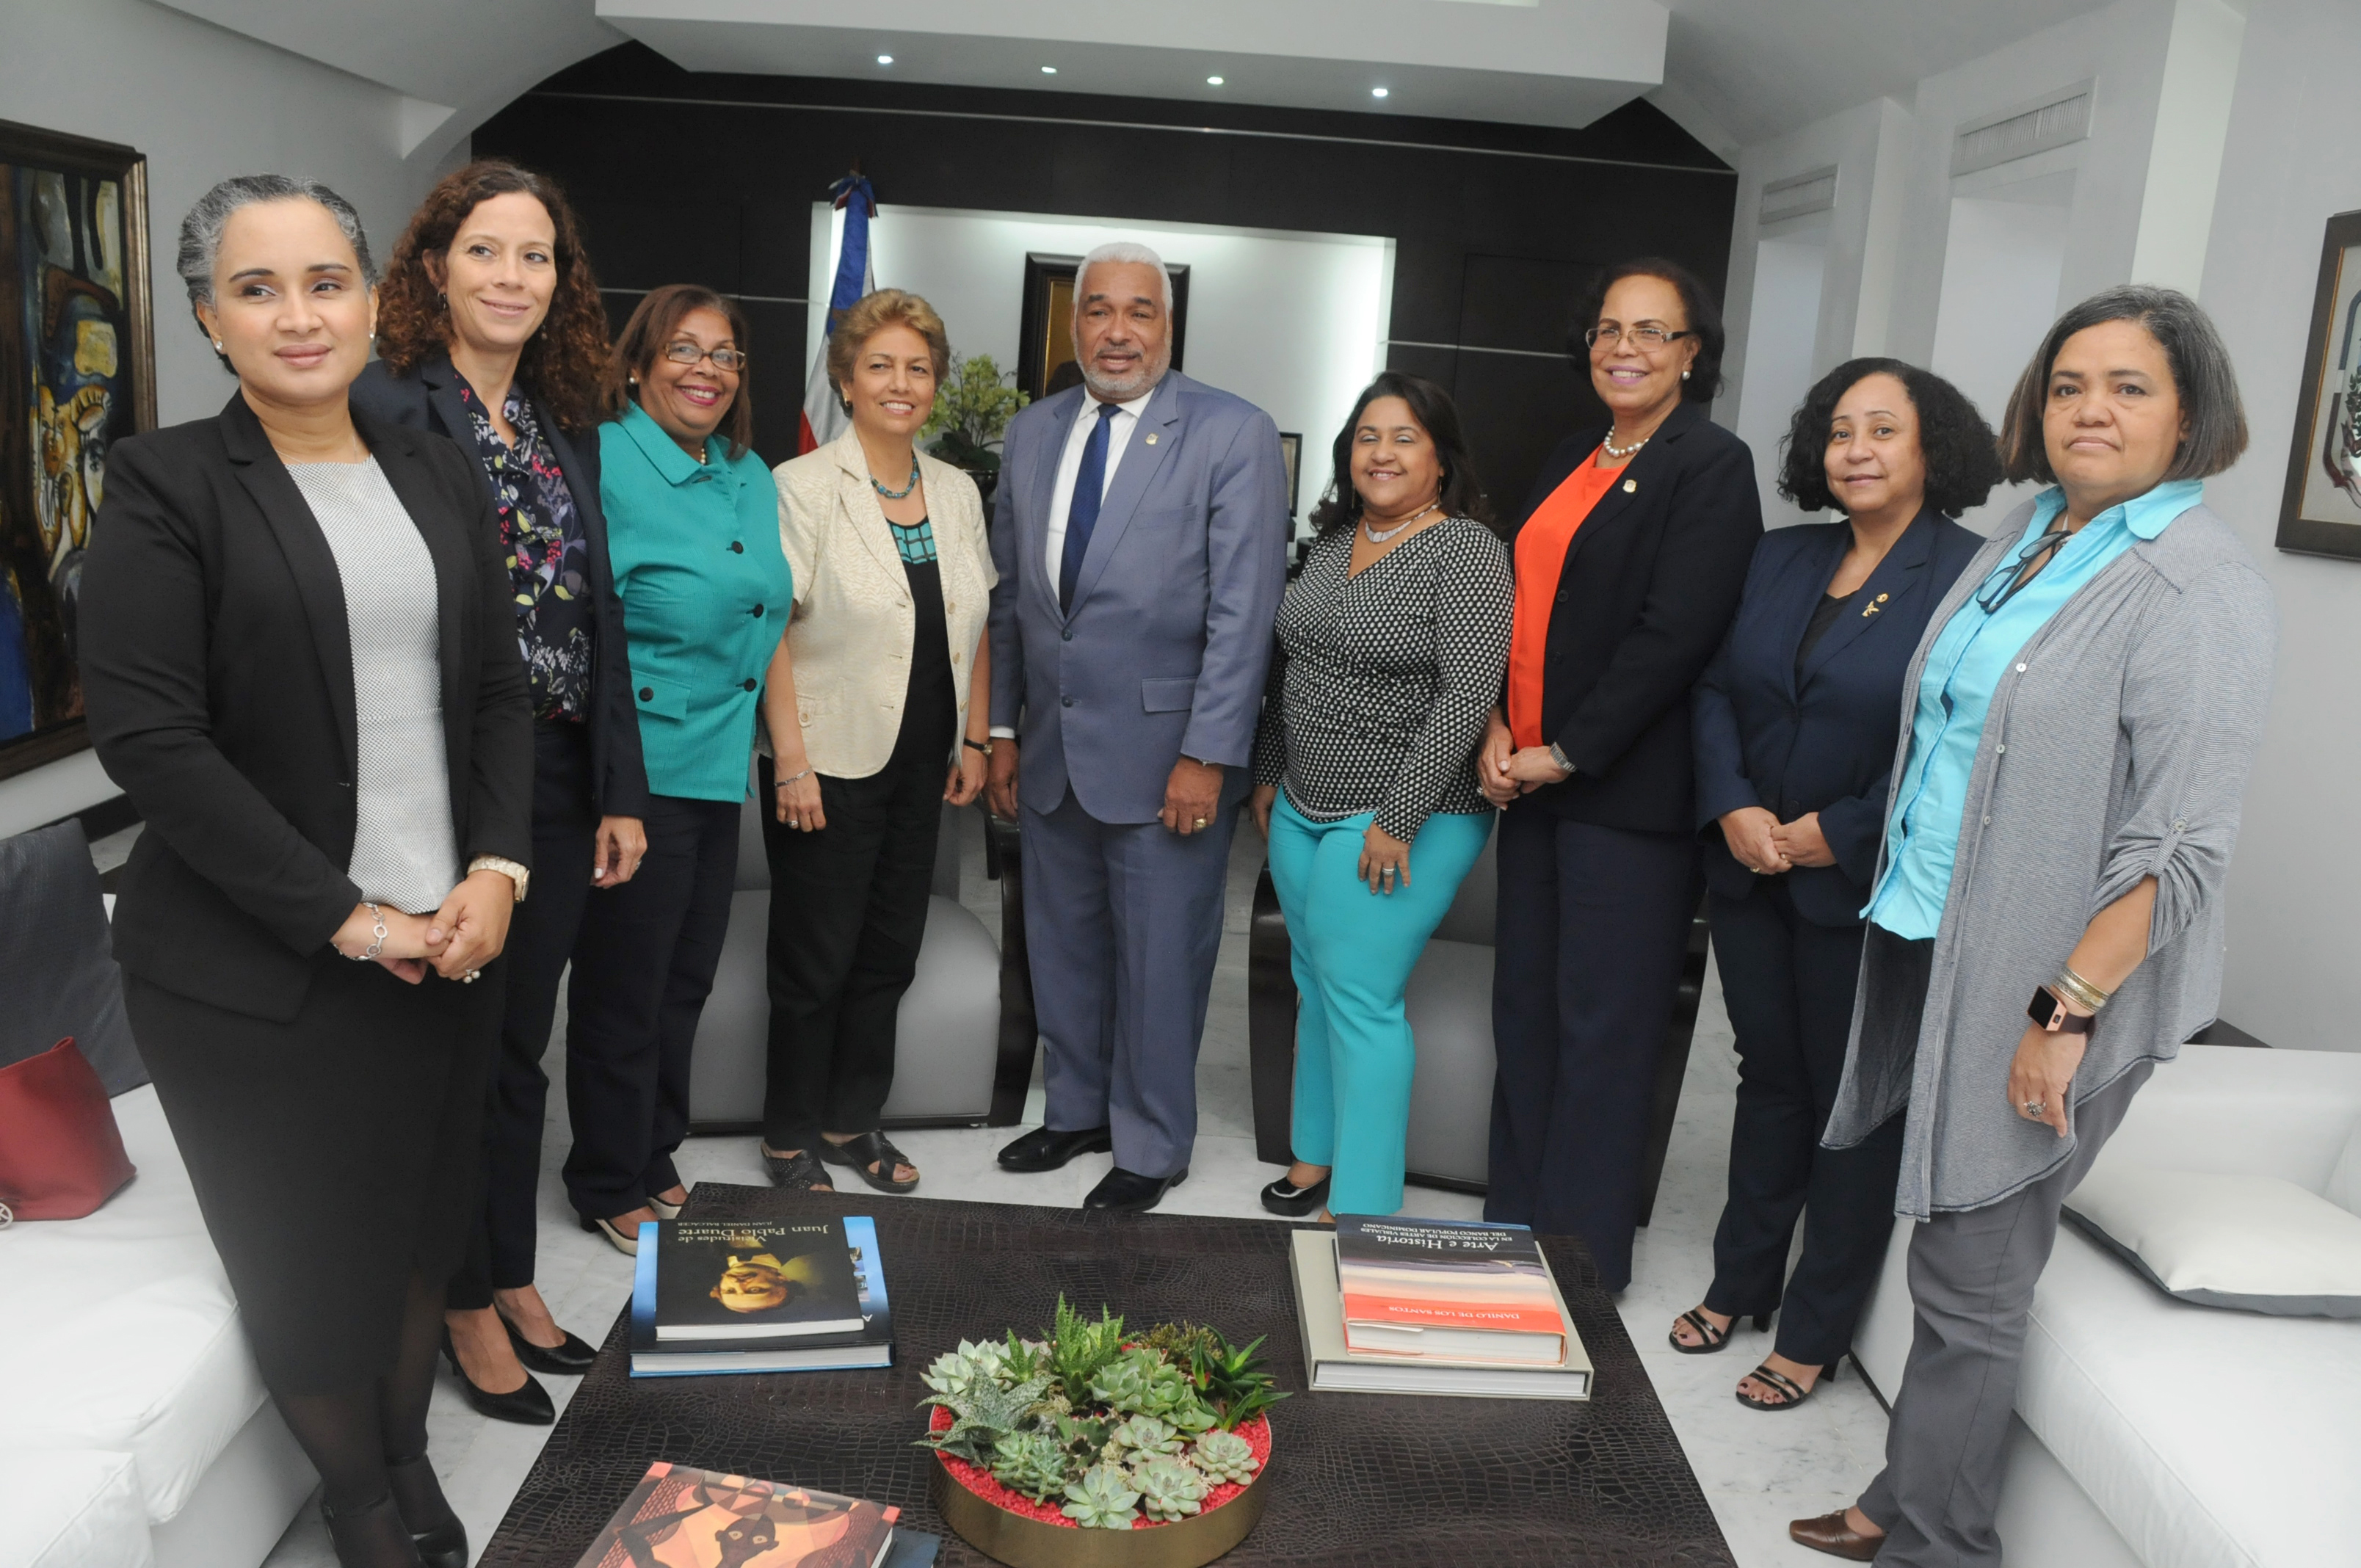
{"x":1357,"y":1478}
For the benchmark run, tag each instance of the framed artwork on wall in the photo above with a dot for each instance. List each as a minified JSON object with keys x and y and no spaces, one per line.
{"x":77,"y":374}
{"x":2320,"y":512}
{"x":1045,"y":350}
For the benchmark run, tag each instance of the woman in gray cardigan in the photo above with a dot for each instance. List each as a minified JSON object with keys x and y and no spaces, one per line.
{"x":2085,"y":706}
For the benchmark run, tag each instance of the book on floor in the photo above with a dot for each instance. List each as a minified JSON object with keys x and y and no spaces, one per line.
{"x":870,"y":1344}
{"x":1330,"y":1366}
{"x":1451,"y":1287}
{"x":740,"y":1279}
{"x":681,"y":1515}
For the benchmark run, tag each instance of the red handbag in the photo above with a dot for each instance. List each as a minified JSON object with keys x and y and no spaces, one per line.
{"x":61,"y":1153}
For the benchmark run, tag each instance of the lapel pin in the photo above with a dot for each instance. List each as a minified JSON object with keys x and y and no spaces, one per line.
{"x":1631,"y":486}
{"x":1876,"y":605}
{"x":1152,"y":438}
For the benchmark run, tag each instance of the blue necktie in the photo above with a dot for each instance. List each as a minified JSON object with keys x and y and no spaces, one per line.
{"x":1082,"y":512}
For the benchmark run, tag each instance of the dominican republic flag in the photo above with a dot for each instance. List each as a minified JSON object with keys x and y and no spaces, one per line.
{"x":824,"y":418}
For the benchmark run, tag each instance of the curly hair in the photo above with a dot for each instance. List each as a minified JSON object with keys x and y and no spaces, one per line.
{"x":565,"y":363}
{"x":1462,"y":493}
{"x":872,"y":313}
{"x":652,"y":326}
{"x":1697,"y":303}
{"x":1961,"y":456}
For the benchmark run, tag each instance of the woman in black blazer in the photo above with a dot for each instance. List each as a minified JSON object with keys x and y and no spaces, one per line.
{"x":298,"y":660}
{"x":1629,"y":562}
{"x":1795,"y":724}
{"x":491,"y":332}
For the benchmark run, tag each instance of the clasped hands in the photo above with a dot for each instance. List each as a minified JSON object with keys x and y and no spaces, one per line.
{"x":457,"y":939}
{"x":1505,"y":770}
{"x":1764,"y":844}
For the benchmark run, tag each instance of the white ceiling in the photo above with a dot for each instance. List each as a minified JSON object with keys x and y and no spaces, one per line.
{"x":1735,"y":72}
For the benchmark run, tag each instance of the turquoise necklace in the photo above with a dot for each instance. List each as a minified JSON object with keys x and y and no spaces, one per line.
{"x":904,"y":492}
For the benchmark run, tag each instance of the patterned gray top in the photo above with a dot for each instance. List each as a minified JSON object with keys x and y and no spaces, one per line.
{"x":405,"y":850}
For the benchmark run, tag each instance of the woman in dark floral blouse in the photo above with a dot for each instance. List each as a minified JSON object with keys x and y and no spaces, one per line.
{"x":492,"y":334}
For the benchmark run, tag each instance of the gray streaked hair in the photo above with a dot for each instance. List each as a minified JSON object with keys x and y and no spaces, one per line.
{"x":2202,"y":373}
{"x":1123,"y":252}
{"x":200,"y":231}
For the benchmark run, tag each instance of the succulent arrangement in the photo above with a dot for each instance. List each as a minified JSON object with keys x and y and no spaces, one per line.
{"x":1114,"y":1430}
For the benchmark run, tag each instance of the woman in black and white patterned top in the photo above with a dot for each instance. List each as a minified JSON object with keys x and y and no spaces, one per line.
{"x":1392,"y":643}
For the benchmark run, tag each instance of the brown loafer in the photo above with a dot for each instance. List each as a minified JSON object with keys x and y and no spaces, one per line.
{"x":1829,"y":1533}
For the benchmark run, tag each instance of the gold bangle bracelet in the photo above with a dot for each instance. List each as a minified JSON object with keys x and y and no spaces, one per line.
{"x":2078,"y":990}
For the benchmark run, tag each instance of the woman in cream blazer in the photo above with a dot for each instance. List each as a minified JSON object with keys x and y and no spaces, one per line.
{"x":870,"y":729}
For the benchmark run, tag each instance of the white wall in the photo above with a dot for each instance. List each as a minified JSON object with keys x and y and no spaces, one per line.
{"x":202,"y":104}
{"x":1790,"y":272}
{"x":2295,"y":887}
{"x":1293,"y":322}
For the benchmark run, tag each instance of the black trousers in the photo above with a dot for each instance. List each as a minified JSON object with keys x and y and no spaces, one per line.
{"x":540,"y":938}
{"x":1592,"y":926}
{"x":848,"y":915}
{"x":1789,"y":987}
{"x":642,"y":968}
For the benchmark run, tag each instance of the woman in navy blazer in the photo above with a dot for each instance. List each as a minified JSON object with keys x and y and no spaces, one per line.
{"x":1795,"y":724}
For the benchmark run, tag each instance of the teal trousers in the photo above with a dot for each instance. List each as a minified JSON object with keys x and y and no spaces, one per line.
{"x":1353,"y":950}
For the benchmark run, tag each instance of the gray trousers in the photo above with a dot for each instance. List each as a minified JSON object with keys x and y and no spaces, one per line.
{"x":1122,"y":924}
{"x":1972,"y":1274}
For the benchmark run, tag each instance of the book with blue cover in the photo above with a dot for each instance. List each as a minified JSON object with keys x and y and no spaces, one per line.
{"x":654,"y":1355}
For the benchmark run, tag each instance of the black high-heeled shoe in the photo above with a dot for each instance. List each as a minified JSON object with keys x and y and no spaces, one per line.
{"x":373,"y":1537}
{"x":571,"y":1359}
{"x":528,"y":1406}
{"x":1295,"y":1202}
{"x":418,"y":1496}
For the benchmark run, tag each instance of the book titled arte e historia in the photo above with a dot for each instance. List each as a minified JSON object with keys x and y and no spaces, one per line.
{"x":1460,"y":1288}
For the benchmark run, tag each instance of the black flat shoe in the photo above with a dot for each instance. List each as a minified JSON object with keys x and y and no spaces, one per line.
{"x":418,"y":1497}
{"x":797,"y":1171}
{"x":1295,"y":1202}
{"x":571,"y":1359}
{"x":373,"y":1537}
{"x":1127,"y":1190}
{"x":868,"y":1150}
{"x":1047,"y":1149}
{"x":528,"y":1406}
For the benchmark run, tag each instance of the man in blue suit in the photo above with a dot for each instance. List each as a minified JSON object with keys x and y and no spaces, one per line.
{"x":1141,"y":543}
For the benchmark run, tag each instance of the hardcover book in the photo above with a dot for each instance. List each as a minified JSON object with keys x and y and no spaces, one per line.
{"x":1331,"y":1366}
{"x":680,"y":1517}
{"x":1459,"y":1288}
{"x":872,"y":1345}
{"x":742,"y":1279}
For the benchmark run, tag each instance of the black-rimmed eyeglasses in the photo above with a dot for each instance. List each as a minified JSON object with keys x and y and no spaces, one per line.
{"x":2009,"y":579}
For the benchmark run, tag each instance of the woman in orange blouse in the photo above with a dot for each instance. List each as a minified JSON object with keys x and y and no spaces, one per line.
{"x":1629,"y":562}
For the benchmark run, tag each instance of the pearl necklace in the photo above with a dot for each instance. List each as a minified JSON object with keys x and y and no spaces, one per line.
{"x":1619,"y":452}
{"x":1377,"y":537}
{"x":904,"y":492}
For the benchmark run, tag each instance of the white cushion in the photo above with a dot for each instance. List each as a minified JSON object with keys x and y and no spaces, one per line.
{"x":2343,"y":1188}
{"x":2207,"y":1438}
{"x":71,"y":1508}
{"x":119,"y":1331}
{"x":2219,"y":1240}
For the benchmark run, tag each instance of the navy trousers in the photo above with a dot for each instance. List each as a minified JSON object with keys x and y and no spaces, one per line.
{"x":1123,"y":922}
{"x":1593,"y":925}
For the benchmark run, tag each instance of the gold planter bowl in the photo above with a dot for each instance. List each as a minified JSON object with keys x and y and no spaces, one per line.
{"x":1022,"y":1542}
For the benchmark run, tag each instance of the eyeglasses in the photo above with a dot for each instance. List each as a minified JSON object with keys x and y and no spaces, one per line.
{"x":1647,"y":339}
{"x":729,"y":361}
{"x":2007,"y":580}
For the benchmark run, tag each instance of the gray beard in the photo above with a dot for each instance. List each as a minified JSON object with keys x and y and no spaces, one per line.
{"x":1130,"y":387}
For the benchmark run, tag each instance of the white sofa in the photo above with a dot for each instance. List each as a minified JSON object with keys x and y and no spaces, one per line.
{"x":2151,"y":1433}
{"x":134,"y":1428}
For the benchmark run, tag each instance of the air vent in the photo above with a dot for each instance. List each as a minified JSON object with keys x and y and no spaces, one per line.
{"x":1800,"y":194}
{"x":2058,"y":119}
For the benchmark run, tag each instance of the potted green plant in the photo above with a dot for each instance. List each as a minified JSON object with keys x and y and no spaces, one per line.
{"x":972,"y":408}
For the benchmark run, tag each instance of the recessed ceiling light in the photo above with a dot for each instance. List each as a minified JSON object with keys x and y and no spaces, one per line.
{"x":1048,"y":70}
{"x":1212,"y":82}
{"x":1376,"y":92}
{"x":884,"y":59}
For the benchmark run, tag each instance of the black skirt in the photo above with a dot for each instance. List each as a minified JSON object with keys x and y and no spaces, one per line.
{"x":332,"y":1156}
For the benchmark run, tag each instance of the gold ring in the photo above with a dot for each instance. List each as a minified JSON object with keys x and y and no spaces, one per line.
{"x":1201,"y":822}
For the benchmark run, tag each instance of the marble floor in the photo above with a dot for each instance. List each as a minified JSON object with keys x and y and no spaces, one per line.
{"x":1759,"y":1470}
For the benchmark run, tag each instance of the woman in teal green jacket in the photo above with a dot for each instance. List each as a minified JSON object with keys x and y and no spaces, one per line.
{"x":693,"y":525}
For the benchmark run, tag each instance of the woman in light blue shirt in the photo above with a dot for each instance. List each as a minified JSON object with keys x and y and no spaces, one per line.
{"x":2083,"y":714}
{"x":692,"y":519}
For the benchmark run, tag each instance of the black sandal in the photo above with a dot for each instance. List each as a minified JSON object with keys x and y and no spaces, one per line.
{"x":868,"y":1150}
{"x":1791,"y":1392}
{"x":1714,"y":1338}
{"x":798,"y":1170}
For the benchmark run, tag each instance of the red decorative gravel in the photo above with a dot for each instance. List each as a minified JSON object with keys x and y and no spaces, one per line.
{"x":980,"y":1482}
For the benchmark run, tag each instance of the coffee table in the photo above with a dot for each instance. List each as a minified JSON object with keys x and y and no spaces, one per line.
{"x":1358,"y":1479}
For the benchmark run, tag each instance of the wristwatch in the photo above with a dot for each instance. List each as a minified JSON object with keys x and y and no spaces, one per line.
{"x":507,"y":868}
{"x":2052,"y":1016}
{"x":1558,"y":755}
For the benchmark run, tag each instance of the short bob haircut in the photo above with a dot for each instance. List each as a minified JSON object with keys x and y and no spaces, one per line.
{"x":1697,"y":303}
{"x":2202,"y":374}
{"x":872,"y":313}
{"x":1462,"y":494}
{"x":565,"y":363}
{"x":652,"y":325}
{"x":200,"y":231}
{"x":1962,"y":461}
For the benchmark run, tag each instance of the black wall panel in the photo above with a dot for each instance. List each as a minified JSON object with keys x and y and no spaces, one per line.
{"x":707,"y":177}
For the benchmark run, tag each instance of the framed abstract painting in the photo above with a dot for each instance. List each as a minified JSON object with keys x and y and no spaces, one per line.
{"x":77,"y":374}
{"x":2320,"y":512}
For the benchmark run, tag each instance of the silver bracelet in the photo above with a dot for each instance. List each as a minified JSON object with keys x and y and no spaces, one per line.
{"x":376,"y":915}
{"x":782,"y":783}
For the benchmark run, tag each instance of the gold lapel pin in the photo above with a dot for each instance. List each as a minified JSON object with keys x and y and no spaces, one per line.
{"x":1876,"y":605}
{"x":1631,"y":486}
{"x":1152,"y":438}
